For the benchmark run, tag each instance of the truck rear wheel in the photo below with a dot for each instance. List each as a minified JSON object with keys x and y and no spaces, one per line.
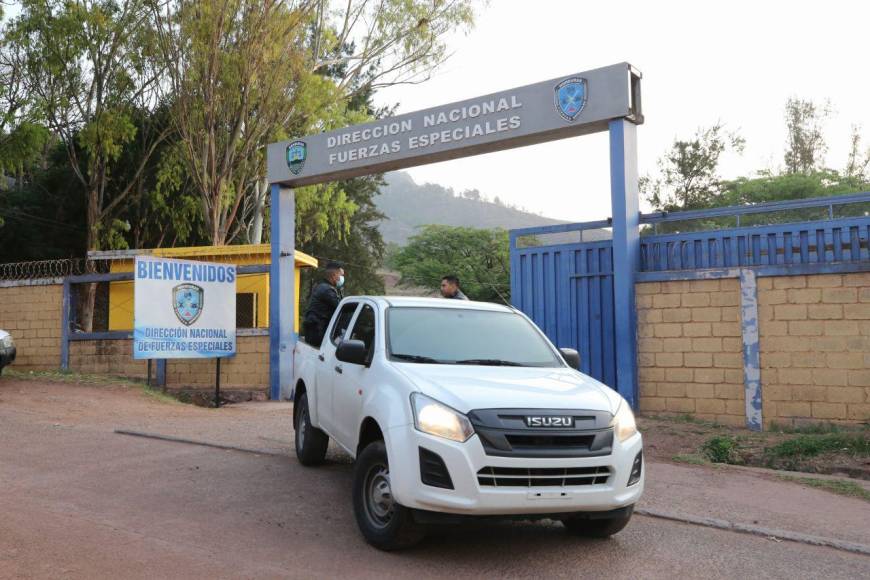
{"x":311,"y":442}
{"x":585,"y":525}
{"x":384,"y":524}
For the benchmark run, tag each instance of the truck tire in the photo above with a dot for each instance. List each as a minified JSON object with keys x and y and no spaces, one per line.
{"x":597,"y":528}
{"x":384,"y":524}
{"x":311,"y":442}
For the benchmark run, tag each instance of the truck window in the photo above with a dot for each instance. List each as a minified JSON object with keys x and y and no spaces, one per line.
{"x":342,"y":322}
{"x":364,"y":328}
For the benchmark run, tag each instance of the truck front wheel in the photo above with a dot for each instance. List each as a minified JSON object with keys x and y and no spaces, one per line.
{"x":311,"y":442}
{"x":385,"y":524}
{"x":585,"y":525}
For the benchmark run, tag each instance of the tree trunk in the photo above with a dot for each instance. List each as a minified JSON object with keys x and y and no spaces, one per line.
{"x":93,"y":243}
{"x":261,"y":190}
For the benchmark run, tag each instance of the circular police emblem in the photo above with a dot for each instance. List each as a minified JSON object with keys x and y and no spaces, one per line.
{"x":297,"y":151}
{"x":571,"y":97}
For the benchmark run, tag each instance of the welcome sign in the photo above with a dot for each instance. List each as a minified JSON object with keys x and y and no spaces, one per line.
{"x":183,"y":309}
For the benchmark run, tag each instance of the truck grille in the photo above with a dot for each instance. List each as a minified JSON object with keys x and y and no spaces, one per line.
{"x":542,"y":476}
{"x":506,"y":433}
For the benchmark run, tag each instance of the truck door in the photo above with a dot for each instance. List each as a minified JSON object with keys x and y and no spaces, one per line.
{"x":327,"y":365}
{"x":350,"y":386}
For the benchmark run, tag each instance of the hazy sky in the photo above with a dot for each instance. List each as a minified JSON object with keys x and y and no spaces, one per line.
{"x":701,"y":62}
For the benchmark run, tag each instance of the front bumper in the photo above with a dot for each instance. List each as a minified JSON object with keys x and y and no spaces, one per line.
{"x":7,"y":355}
{"x":465,"y":460}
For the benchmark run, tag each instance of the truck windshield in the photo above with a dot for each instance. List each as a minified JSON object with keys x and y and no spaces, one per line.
{"x":473,"y":337}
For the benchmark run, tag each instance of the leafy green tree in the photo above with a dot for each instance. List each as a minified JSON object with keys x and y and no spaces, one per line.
{"x":688,"y":172}
{"x":480,"y":258}
{"x":361,"y":250}
{"x":87,"y":64}
{"x":248,"y":72}
{"x":858,"y":162}
{"x":806,"y":146}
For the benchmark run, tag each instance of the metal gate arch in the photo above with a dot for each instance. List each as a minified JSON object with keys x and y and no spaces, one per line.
{"x":567,"y":290}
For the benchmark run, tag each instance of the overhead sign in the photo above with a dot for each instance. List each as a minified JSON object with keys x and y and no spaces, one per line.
{"x":183,"y":309}
{"x":577,"y":104}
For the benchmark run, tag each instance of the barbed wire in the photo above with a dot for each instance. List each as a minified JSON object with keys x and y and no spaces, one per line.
{"x":57,"y":268}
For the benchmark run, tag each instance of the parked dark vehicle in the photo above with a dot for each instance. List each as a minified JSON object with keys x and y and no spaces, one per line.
{"x":7,"y":349}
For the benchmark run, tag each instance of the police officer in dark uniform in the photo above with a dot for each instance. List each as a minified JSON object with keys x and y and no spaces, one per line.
{"x":322,"y":303}
{"x":450,"y":288}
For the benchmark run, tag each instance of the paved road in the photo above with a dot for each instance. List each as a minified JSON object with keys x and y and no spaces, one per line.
{"x":79,"y":501}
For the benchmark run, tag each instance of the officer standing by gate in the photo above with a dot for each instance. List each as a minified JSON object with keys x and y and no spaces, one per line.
{"x":322,"y":304}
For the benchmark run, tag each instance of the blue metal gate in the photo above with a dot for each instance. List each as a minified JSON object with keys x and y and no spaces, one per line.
{"x":568,"y":291}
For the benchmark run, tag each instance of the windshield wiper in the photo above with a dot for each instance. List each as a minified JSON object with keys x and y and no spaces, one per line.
{"x":417,"y":358}
{"x":490,"y":362}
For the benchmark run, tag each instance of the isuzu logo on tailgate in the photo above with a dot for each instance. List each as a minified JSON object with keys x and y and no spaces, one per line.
{"x":549,"y":421}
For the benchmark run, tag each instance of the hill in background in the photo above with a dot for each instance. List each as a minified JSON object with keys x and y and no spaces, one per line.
{"x":408,"y":205}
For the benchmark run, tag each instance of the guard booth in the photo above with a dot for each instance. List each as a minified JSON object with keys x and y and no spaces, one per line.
{"x":603,"y":99}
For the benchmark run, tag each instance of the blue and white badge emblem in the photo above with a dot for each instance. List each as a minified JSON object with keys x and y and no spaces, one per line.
{"x":297,"y":151}
{"x":571,"y":97}
{"x":187,"y":302}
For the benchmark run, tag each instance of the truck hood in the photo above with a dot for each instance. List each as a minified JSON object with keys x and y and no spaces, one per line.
{"x":466,"y":387}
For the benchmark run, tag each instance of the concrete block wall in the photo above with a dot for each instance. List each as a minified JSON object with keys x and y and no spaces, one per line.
{"x":248,"y":370}
{"x":32,"y":314}
{"x":814,"y":333}
{"x":815,"y":347}
{"x":107,"y":357}
{"x":690,"y":349}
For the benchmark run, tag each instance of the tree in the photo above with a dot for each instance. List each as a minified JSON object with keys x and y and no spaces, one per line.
{"x":87,"y":67}
{"x":805,"y":146}
{"x":248,"y":72}
{"x":859,"y":160}
{"x":362,"y":249}
{"x":689,"y":170}
{"x":480,"y":258}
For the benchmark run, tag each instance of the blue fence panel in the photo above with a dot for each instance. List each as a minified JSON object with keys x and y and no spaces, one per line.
{"x":843,"y":240}
{"x":567,"y":290}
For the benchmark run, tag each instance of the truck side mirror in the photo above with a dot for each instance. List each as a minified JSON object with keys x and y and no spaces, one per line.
{"x":572,"y":357}
{"x":352,"y":351}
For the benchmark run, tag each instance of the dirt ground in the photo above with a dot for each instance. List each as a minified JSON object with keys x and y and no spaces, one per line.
{"x":80,"y":500}
{"x":681,"y":439}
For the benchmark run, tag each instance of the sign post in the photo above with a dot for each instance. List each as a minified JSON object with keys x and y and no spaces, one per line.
{"x":184,"y":309}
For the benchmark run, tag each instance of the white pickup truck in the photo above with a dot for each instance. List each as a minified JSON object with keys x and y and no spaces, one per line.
{"x":454,"y":409}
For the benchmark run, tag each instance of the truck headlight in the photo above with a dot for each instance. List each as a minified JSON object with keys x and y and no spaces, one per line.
{"x":437,"y":419}
{"x":623,"y":422}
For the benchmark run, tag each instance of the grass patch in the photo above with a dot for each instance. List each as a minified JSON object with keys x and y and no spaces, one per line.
{"x":847,"y":488}
{"x":690,"y":458}
{"x":722,"y":449}
{"x":160,"y":396}
{"x":812,"y":445}
{"x":684,"y":418}
{"x":813,"y":428}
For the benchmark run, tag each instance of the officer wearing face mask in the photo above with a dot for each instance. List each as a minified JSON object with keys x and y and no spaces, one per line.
{"x":322,"y":304}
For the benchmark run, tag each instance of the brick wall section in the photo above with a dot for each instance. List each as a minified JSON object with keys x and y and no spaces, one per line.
{"x":249,"y":369}
{"x":31,"y":314}
{"x":690,"y":349}
{"x":107,"y":357}
{"x":815,"y":347}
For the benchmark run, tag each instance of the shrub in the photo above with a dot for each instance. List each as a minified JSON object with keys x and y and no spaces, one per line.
{"x":722,"y":449}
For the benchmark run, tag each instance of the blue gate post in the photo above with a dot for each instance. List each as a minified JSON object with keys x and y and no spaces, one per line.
{"x":626,"y":251}
{"x":282,"y":291}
